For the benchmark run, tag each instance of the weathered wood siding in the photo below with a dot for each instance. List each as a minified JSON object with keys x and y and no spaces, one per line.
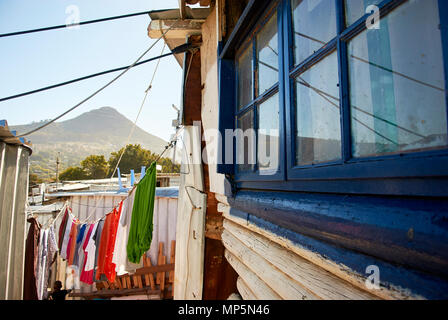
{"x":190,"y":230}
{"x":270,"y":270}
{"x":274,"y":261}
{"x":13,"y":194}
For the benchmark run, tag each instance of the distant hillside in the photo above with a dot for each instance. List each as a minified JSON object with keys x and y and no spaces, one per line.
{"x":100,"y":131}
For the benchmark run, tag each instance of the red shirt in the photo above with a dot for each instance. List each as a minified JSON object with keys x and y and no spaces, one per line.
{"x":107,"y":245}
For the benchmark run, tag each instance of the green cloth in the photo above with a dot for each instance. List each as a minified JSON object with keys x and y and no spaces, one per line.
{"x":140,"y":232}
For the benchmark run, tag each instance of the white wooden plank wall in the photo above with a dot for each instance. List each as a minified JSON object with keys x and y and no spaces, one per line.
{"x":164,"y":226}
{"x":270,"y":270}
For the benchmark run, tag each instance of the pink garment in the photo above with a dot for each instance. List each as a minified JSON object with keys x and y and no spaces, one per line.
{"x":86,"y":276}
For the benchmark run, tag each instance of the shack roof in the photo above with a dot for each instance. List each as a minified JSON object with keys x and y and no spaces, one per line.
{"x":166,"y":192}
{"x":10,"y":137}
{"x":180,"y":28}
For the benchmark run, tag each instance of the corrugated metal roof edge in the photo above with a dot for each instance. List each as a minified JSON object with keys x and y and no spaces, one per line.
{"x":9,"y":137}
{"x":174,"y":14}
{"x":165,"y":192}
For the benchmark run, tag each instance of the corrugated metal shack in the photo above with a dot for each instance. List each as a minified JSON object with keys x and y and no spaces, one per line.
{"x":14,"y":162}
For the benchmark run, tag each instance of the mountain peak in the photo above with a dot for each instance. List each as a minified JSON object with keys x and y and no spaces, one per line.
{"x":99,"y":131}
{"x":104,"y":126}
{"x":104,"y":109}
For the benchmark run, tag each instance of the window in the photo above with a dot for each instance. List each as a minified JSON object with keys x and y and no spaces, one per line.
{"x":397,"y":86}
{"x":258,"y":101}
{"x":318,"y":137}
{"x":314,"y":24}
{"x":336,"y":104}
{"x":355,"y":9}
{"x":245,"y":77}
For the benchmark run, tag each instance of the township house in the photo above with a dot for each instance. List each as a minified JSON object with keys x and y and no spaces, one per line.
{"x":315,"y":152}
{"x":352,"y":99}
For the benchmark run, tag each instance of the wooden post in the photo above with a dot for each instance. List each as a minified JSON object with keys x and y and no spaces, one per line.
{"x":172,"y":259}
{"x":159,"y":262}
{"x":150,"y":276}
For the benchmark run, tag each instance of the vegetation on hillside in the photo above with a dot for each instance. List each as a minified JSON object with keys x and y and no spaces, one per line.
{"x":134,"y":157}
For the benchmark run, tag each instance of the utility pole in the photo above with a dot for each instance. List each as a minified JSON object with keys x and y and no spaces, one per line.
{"x":176,"y":124}
{"x":57,"y":170}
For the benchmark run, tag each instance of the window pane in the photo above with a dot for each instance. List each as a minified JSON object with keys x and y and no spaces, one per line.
{"x":245,"y":76}
{"x":268,"y":136}
{"x":397,"y":88}
{"x":318,"y":132}
{"x":314,"y":24}
{"x":245,"y":142}
{"x":355,"y":9}
{"x":267,"y":51}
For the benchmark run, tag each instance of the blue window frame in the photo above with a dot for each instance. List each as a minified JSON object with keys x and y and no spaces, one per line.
{"x":362,"y":129}
{"x":264,"y":104}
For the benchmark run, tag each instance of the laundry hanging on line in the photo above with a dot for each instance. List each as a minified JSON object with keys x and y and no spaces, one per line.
{"x":100,"y":250}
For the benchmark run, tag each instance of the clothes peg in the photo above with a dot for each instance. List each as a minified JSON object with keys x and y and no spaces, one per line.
{"x":120,"y":184}
{"x":132,"y":177}
{"x":143,"y":171}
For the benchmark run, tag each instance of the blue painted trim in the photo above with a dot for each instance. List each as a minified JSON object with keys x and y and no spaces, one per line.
{"x":409,"y":232}
{"x":321,"y":54}
{"x":253,"y":175}
{"x":246,"y":21}
{"x":410,"y":187}
{"x":344,"y":101}
{"x":443,"y":13}
{"x":258,"y":100}
{"x":226,"y":116}
{"x":344,"y":96}
{"x":340,"y":16}
{"x":290,"y":114}
{"x":390,"y":275}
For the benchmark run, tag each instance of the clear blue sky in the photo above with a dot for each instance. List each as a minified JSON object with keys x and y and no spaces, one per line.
{"x":36,"y":60}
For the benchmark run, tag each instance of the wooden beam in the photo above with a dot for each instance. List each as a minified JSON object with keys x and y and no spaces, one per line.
{"x":149,"y":275}
{"x":160,"y":263}
{"x":180,"y":29}
{"x":202,"y":3}
{"x":154,"y":269}
{"x":115,"y":293}
{"x":182,"y":9}
{"x":172,"y":260}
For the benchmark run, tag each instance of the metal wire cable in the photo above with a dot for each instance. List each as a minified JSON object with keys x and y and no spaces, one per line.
{"x":138,"y":114}
{"x":16,"y":33}
{"x":81,"y":78}
{"x":99,"y":90}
